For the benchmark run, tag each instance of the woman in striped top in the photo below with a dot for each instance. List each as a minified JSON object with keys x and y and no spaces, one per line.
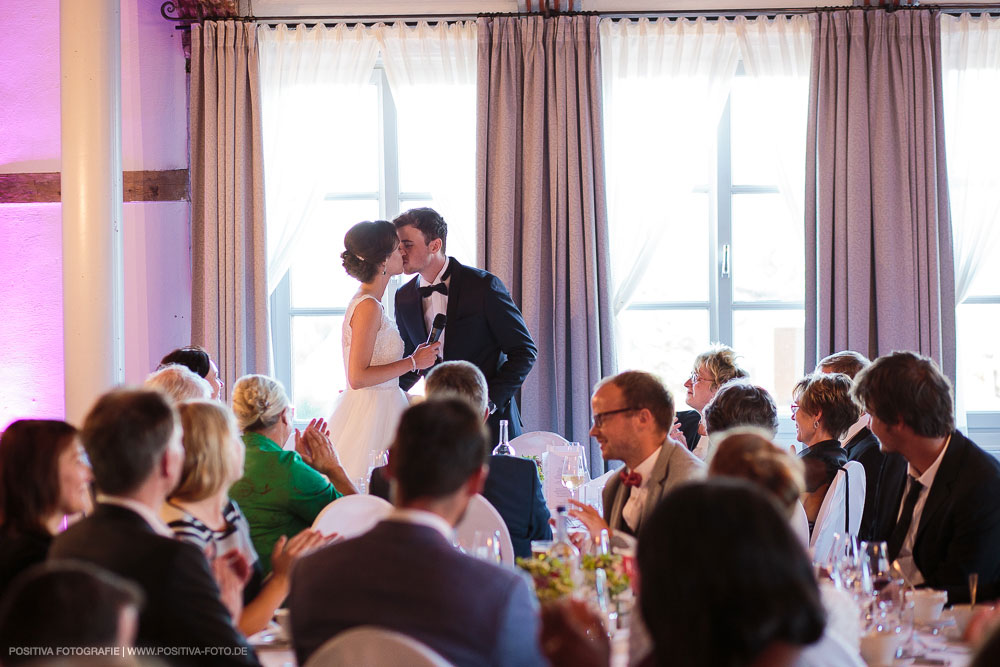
{"x":199,"y":511}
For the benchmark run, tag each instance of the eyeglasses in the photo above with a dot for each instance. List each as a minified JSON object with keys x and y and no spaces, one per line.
{"x":599,"y":418}
{"x":696,"y":378}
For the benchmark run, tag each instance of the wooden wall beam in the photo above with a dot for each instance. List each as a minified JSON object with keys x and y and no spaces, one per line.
{"x":139,"y":186}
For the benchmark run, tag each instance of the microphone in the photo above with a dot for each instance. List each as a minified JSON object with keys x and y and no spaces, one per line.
{"x":437,"y":328}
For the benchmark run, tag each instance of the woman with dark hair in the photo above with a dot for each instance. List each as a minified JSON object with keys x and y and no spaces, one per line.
{"x":197,"y":360}
{"x":44,"y":476}
{"x":742,"y":593}
{"x":823,"y":410}
{"x":365,"y":415}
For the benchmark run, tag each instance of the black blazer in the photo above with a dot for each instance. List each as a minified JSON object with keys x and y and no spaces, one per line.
{"x":484,"y":327}
{"x":959,"y":531}
{"x":514,"y":489}
{"x":182,"y":599}
{"x":690,"y":419}
{"x":882,"y":471}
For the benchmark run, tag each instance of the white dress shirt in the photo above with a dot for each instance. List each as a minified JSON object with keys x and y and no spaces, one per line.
{"x":151,"y":517}
{"x":637,"y":498}
{"x":424,"y":518}
{"x":926,"y":480}
{"x":436,"y":302}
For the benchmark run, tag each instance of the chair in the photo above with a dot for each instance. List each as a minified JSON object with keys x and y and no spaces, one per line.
{"x":350,"y":516}
{"x":592,"y":493}
{"x":536,"y":443}
{"x":370,"y":645}
{"x":481,"y":516}
{"x":800,"y":524}
{"x":830,"y":519}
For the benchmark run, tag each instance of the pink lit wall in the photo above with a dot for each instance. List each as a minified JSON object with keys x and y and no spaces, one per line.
{"x":156,"y":237}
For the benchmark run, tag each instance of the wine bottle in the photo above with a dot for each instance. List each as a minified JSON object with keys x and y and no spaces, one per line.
{"x":503,"y":447}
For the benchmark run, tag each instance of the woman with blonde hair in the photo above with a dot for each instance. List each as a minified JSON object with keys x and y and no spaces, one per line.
{"x":199,"y":511}
{"x":281,"y":492}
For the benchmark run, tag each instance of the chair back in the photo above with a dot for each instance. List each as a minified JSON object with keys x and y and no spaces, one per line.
{"x":370,"y":645}
{"x":482,"y":517}
{"x":350,"y":516}
{"x":536,"y":443}
{"x":833,"y":513}
{"x":800,"y":523}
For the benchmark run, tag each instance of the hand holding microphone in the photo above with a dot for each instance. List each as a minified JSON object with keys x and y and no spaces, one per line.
{"x":426,"y":355}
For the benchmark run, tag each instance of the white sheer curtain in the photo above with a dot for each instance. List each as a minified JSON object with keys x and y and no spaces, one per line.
{"x":432,"y":76}
{"x":665,"y":85}
{"x":970,"y":66}
{"x":303,"y":72}
{"x":970,"y":63}
{"x":777,"y":53}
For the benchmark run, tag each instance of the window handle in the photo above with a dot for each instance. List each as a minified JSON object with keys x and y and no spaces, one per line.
{"x":726,"y":261}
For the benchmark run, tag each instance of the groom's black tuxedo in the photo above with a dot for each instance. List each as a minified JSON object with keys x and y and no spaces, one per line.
{"x":484,"y":327}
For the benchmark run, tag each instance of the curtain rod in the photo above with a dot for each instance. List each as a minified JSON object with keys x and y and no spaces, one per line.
{"x":167,"y":7}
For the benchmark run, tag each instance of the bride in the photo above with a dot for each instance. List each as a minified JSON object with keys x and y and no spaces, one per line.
{"x":366,"y":414}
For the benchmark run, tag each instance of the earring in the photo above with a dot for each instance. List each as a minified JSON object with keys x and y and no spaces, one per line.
{"x":816,"y":424}
{"x":383,"y":271}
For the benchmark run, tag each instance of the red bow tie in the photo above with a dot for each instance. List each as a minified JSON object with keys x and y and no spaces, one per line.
{"x":631,"y":478}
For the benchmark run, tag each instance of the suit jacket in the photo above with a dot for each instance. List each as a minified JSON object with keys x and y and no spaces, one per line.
{"x":674,"y":466}
{"x":182,"y":599}
{"x":409,"y":578}
{"x":690,"y":419}
{"x":514,"y":489}
{"x":881,"y":471}
{"x":484,"y":327}
{"x":959,"y":530}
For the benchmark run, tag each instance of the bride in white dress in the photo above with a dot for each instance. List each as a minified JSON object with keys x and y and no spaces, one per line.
{"x":366,"y":414}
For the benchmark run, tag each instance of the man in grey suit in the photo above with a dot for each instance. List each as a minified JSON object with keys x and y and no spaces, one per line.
{"x":404,"y":574}
{"x":633,"y":413}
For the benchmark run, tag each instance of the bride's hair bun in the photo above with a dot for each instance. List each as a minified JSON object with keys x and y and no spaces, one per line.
{"x":258,"y":402}
{"x":368,"y":245}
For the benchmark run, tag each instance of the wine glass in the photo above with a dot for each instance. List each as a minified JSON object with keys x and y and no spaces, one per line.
{"x":574,"y":472}
{"x":377,"y":458}
{"x":486,"y":546}
{"x":875,"y":560}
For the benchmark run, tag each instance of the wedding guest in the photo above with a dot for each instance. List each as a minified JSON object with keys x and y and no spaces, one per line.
{"x":822,"y":410}
{"x":62,"y":604}
{"x":199,"y":511}
{"x":945,"y":523}
{"x":197,"y":359}
{"x":882,"y":470}
{"x":281,"y":492}
{"x":633,"y":413}
{"x":405,"y":574}
{"x":44,"y":477}
{"x":746,"y":453}
{"x":743,"y":593}
{"x":738,"y":403}
{"x":512,"y":486}
{"x":133,"y":440}
{"x":712,"y":369}
{"x":179,"y":383}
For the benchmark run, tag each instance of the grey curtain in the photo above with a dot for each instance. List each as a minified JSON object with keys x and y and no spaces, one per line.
{"x":542,"y":217}
{"x":879,"y":263}
{"x":229,"y":262}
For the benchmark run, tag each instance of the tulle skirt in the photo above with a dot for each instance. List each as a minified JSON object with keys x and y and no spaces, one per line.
{"x":365,"y":420}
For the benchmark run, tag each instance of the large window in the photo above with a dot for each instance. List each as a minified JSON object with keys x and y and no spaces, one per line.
{"x":729,"y":265}
{"x":391,"y":158}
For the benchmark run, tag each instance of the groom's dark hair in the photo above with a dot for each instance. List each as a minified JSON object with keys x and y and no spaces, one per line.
{"x":439,"y":445}
{"x":428,"y":221}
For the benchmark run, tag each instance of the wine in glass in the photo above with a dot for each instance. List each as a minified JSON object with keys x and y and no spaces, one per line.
{"x":574,"y":472}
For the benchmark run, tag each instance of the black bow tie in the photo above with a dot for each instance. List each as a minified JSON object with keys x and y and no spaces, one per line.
{"x":430,"y":289}
{"x":438,"y":287}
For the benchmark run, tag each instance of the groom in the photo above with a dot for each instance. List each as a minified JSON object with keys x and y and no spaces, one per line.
{"x":484,"y":326}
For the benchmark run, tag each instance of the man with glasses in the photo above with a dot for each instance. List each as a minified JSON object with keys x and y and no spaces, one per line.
{"x":632,"y":416}
{"x":712,"y":369}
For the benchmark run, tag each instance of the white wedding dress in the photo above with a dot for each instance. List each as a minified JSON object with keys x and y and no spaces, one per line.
{"x":365,"y":420}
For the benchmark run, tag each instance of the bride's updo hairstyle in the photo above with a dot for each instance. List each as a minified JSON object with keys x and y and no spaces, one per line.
{"x":368,"y":245}
{"x":258,"y":402}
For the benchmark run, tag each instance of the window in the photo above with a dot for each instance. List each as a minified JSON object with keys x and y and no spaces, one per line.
{"x":730,"y":265}
{"x":393,"y":156}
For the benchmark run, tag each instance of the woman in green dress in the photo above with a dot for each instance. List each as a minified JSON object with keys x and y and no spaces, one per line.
{"x":281,"y":491}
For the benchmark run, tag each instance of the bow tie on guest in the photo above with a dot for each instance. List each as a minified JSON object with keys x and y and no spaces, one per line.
{"x":430,"y":289}
{"x":631,"y":478}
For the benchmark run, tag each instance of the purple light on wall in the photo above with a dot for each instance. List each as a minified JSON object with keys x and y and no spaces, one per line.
{"x":31,"y":332}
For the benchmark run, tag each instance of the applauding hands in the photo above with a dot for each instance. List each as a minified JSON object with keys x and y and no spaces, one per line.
{"x":315,"y":447}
